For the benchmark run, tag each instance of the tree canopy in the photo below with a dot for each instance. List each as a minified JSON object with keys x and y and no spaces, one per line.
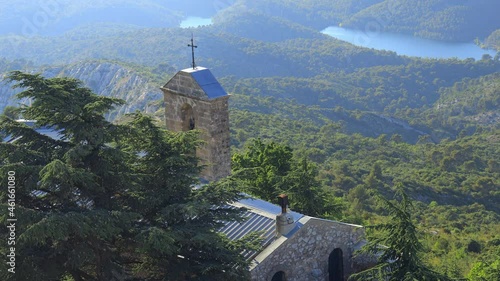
{"x":397,"y":246}
{"x":102,"y":201}
{"x":268,"y":169}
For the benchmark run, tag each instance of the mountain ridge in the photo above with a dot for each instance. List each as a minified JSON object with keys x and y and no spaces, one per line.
{"x":104,"y":78}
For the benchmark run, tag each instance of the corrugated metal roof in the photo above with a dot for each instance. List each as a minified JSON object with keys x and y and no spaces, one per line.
{"x":260,"y":217}
{"x":267,"y":207}
{"x":207,"y":82}
{"x":253,"y":223}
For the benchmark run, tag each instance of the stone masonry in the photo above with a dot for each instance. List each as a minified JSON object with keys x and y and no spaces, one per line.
{"x":304,"y":256}
{"x":187,"y":103}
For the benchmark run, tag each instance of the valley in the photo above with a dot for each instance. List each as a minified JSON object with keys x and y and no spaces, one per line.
{"x":431,"y":123}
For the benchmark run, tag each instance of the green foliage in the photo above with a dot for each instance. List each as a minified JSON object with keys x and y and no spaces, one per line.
{"x":397,"y":246}
{"x":389,"y":86}
{"x":455,"y":204}
{"x":435,"y":19}
{"x":105,"y":201}
{"x":304,"y":189}
{"x":268,"y":169}
{"x":12,"y":112}
{"x":467,"y":105}
{"x":486,"y":270}
{"x":262,"y":166}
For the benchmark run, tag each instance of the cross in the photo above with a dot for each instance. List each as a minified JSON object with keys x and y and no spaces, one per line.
{"x":192,"y":50}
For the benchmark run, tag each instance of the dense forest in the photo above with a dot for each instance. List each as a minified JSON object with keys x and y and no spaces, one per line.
{"x":460,"y":21}
{"x":57,"y":17}
{"x":347,"y":124}
{"x":455,"y":183}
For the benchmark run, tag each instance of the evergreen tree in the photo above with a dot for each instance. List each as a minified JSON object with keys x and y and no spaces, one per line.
{"x":269,"y":169}
{"x":304,"y":189}
{"x":262,"y":167}
{"x":109,"y":202}
{"x":397,"y":247}
{"x":11,"y":112}
{"x":488,"y":269}
{"x":176,"y":235}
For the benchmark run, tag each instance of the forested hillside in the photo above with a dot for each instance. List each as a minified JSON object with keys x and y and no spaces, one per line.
{"x":459,"y":21}
{"x":225,"y":53}
{"x":30,"y":18}
{"x":468,"y":105}
{"x":138,"y":86}
{"x":456,"y":183}
{"x":350,"y":122}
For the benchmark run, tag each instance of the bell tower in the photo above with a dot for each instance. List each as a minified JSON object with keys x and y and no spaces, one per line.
{"x":194,"y":99}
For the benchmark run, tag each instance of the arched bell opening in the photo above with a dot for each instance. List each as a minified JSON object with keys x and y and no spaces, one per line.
{"x":187,"y":116}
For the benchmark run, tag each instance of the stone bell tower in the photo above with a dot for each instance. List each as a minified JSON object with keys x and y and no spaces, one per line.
{"x":194,"y":99}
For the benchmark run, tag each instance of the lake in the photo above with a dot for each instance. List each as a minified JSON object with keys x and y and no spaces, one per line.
{"x":195,"y":22}
{"x":407,"y":45}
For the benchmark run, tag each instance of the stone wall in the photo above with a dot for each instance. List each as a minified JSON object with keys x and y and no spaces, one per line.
{"x":219,"y":144}
{"x":304,"y":256}
{"x":183,"y":83}
{"x":212,"y":120}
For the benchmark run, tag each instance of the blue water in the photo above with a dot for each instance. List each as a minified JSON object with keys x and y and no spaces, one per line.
{"x":195,"y":22}
{"x":407,"y":45}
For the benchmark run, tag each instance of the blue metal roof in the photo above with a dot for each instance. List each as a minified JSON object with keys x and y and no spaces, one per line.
{"x":253,"y":223}
{"x":267,"y":207}
{"x":260,"y":217}
{"x":207,"y":82}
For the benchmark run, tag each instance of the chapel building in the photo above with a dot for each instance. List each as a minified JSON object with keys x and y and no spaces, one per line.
{"x":295,"y":247}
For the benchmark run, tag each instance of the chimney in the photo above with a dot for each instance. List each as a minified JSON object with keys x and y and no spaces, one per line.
{"x":283,"y":201}
{"x":284,"y":221}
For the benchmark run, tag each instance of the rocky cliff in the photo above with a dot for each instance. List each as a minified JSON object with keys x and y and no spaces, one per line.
{"x":103,"y":78}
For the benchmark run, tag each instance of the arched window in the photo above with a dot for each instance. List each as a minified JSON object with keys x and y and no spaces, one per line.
{"x":279,"y":276}
{"x":336,"y":265}
{"x":187,"y":116}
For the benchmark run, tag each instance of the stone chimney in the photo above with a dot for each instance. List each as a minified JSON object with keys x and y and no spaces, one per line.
{"x":284,"y":221}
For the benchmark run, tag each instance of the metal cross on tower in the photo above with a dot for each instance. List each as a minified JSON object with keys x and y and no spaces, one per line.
{"x":192,"y":50}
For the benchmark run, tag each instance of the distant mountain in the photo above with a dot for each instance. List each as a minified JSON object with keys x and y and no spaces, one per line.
{"x":139,"y":87}
{"x":265,"y":48}
{"x":256,"y":25}
{"x":37,"y":18}
{"x":458,"y":21}
{"x":104,"y":78}
{"x":462,"y":20}
{"x":223,"y":50}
